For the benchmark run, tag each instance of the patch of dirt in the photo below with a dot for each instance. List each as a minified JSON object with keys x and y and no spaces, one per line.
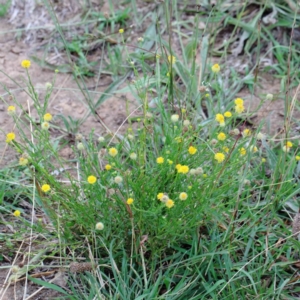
{"x":269,"y":113}
{"x":66,"y":99}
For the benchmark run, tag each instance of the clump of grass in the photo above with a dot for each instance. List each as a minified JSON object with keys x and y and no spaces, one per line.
{"x":186,"y":204}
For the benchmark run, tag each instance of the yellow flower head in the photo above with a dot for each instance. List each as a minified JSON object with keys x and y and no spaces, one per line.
{"x":107,"y":167}
{"x":242,"y":151}
{"x":129,"y":201}
{"x":112,"y":152}
{"x":183,"y":196}
{"x":216,"y":68}
{"x":253,"y":149}
{"x":220,"y":118}
{"x":239,"y":109}
{"x":91,"y":179}
{"x":160,"y":160}
{"x":169,"y":203}
{"x":17,"y":213}
{"x":10,"y":137}
{"x":225,"y":149}
{"x":239,"y":101}
{"x":246,"y":132}
{"x":178,"y":166}
{"x":159,"y":196}
{"x":219,"y":157}
{"x":23,"y":161}
{"x":11,"y":110}
{"x":192,"y":150}
{"x":221,"y":136}
{"x":183,"y":169}
{"x":297,"y":157}
{"x":171,"y":59}
{"x":47,"y":117}
{"x":121,"y":30}
{"x":288,"y":145}
{"x":25,"y":64}
{"x":170,"y":162}
{"x":45,"y":188}
{"x":227,"y":114}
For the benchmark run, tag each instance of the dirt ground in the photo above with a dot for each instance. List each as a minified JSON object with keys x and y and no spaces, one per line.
{"x":68,"y":101}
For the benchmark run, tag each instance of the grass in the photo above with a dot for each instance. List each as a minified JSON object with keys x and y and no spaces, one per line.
{"x":187,"y":203}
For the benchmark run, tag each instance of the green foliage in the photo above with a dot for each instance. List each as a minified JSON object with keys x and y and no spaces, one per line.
{"x":4,"y":8}
{"x":192,"y":201}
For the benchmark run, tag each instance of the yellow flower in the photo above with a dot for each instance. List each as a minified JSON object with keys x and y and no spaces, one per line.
{"x":121,"y":30}
{"x":25,"y":64}
{"x":178,"y":166}
{"x":91,"y":179}
{"x":192,"y":150}
{"x":239,"y":101}
{"x":129,"y":201}
{"x":107,"y":167}
{"x":216,"y":68}
{"x":169,"y":203}
{"x":253,"y":149}
{"x":45,"y":188}
{"x":23,"y":161}
{"x":227,"y":114}
{"x":171,"y":59}
{"x":99,"y":226}
{"x":112,"y":152}
{"x":45,"y":125}
{"x":183,"y":169}
{"x":246,"y":132}
{"x":17,"y":213}
{"x":219,"y":157}
{"x":47,"y":117}
{"x":183,"y":196}
{"x":242,"y":151}
{"x":225,"y":149}
{"x":10,"y":137}
{"x":159,"y":196}
{"x":221,"y":136}
{"x":204,"y":175}
{"x":239,"y":108}
{"x":11,"y":110}
{"x":297,"y":157}
{"x":220,"y":118}
{"x":170,"y":162}
{"x":160,"y":160}
{"x":263,"y":160}
{"x":288,"y":145}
